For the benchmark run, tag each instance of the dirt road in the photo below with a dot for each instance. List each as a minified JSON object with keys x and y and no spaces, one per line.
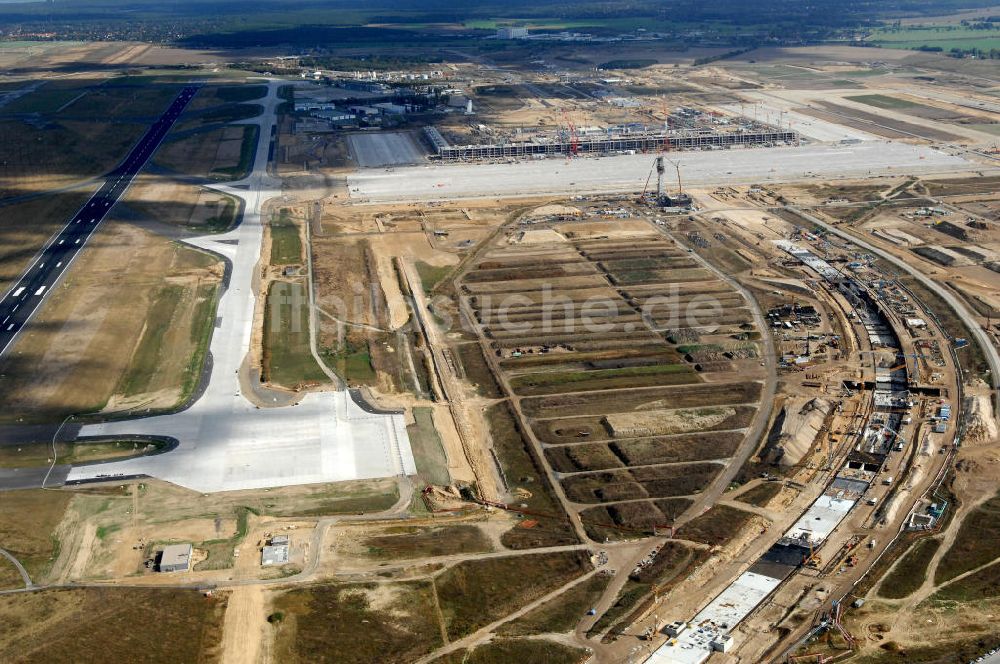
{"x":243,"y":632}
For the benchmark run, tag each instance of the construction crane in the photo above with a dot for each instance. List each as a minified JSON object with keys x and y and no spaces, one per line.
{"x":662,"y":198}
{"x":574,"y":140}
{"x":660,"y":170}
{"x":677,"y":167}
{"x":645,"y":187}
{"x":666,"y":127}
{"x":659,"y":178}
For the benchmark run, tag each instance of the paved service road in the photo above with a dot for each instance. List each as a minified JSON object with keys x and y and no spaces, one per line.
{"x":20,"y":568}
{"x":27,"y":295}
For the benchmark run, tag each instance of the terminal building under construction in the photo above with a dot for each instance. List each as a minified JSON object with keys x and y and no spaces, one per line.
{"x":608,"y":142}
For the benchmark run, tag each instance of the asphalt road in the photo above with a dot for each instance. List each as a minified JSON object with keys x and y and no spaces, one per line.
{"x":25,"y":297}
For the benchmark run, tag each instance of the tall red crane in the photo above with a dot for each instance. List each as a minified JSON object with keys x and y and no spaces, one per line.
{"x":574,"y":140}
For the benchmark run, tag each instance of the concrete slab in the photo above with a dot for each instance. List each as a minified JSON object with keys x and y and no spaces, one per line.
{"x":225,"y":442}
{"x":373,"y":150}
{"x":628,"y":173}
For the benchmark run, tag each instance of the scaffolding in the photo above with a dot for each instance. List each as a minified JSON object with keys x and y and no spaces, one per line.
{"x":606,"y":144}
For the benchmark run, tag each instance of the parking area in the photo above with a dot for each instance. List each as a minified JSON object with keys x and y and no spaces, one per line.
{"x":380,"y":149}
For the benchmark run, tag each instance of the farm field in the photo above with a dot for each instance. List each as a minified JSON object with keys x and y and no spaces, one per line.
{"x":945,"y":37}
{"x":631,"y":363}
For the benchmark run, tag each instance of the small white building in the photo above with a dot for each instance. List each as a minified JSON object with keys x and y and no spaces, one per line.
{"x":512,"y":33}
{"x":175,"y":558}
{"x":274,"y":555}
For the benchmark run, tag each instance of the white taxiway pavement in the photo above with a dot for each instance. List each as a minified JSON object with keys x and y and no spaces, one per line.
{"x":226,"y":442}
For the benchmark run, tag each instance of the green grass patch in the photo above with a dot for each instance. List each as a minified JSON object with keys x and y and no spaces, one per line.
{"x":148,"y":355}
{"x":353,"y":362}
{"x":286,"y":243}
{"x":335,"y":501}
{"x":717,"y":526}
{"x":687,"y":349}
{"x":578,"y":381}
{"x":570,"y":377}
{"x":240,"y":93}
{"x":103,"y":531}
{"x":628,"y":597}
{"x":220,"y":551}
{"x":883,"y":101}
{"x":44,"y":100}
{"x":202,"y":324}
{"x":231,"y":113}
{"x":908,"y":574}
{"x":477,"y":371}
{"x":761,"y":494}
{"x":984,"y":584}
{"x":431,"y":275}
{"x":944,"y":37}
{"x":475,"y":593}
{"x":223,"y":219}
{"x":35,"y":455}
{"x":560,"y":614}
{"x":107,"y":102}
{"x":504,"y":651}
{"x":975,"y":544}
{"x":636,"y":63}
{"x":428,"y":450}
{"x":987,"y":128}
{"x":247,"y":150}
{"x":288,"y":360}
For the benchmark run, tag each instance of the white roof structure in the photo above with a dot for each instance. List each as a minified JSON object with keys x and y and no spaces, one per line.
{"x":274,"y":555}
{"x":808,"y":258}
{"x":821,"y":519}
{"x":718,"y":619}
{"x":176,"y":558}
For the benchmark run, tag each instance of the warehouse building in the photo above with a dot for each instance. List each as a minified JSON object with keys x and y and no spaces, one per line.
{"x":175,"y":558}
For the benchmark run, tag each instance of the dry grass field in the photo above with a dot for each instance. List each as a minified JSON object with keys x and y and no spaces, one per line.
{"x":110,"y":624}
{"x":126,"y":328}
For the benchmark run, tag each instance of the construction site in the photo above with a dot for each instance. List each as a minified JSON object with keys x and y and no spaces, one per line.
{"x":623,"y":139}
{"x":711,"y":382}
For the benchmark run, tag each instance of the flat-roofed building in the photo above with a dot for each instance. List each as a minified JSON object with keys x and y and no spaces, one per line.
{"x":175,"y":558}
{"x":274,"y":555}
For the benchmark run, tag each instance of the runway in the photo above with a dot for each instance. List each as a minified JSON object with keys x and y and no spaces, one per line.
{"x":25,"y":297}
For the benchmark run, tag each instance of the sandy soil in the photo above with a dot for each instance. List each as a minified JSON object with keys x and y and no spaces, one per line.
{"x":245,"y":632}
{"x":803,"y":419}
